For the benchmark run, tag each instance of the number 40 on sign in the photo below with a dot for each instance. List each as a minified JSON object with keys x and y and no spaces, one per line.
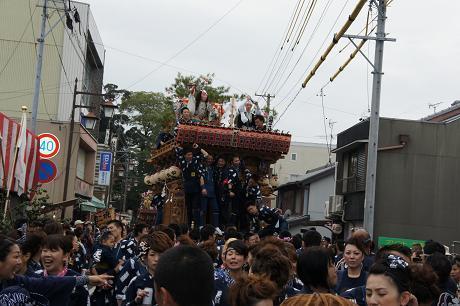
{"x":49,"y":145}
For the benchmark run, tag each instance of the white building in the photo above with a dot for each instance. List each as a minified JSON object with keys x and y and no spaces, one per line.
{"x":302,"y":156}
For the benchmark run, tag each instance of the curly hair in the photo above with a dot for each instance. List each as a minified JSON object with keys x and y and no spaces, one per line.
{"x":158,"y":241}
{"x":249,"y":290}
{"x":270,"y":262}
{"x":317,"y":299}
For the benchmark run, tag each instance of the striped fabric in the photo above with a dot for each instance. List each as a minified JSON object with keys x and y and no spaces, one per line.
{"x":26,"y":168}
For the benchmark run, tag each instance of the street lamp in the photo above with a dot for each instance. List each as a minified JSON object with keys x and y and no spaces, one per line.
{"x":109,"y":109}
{"x":89,"y":121}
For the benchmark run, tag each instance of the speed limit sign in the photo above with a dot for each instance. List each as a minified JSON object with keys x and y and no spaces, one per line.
{"x":49,"y":145}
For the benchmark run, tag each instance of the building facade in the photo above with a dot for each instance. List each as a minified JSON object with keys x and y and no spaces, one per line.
{"x":69,"y":55}
{"x":301,"y":157}
{"x":305,"y":200}
{"x":418,"y":178}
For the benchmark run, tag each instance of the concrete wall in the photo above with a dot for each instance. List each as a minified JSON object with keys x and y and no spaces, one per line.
{"x":17,"y":79}
{"x":309,"y":156}
{"x":418,"y":187}
{"x":318,"y":195}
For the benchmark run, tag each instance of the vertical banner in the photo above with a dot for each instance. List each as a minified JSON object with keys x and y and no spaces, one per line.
{"x":105,"y":166}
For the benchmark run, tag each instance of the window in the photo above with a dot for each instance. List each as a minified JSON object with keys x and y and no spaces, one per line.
{"x":81,"y":163}
{"x":293,"y":156}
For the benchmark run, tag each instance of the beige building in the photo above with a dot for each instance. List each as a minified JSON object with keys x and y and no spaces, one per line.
{"x":302,"y":156}
{"x":68,"y":55}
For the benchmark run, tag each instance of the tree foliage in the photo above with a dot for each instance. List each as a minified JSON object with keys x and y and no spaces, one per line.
{"x":180,"y":87}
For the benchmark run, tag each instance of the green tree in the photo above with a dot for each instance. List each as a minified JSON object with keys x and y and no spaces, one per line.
{"x":147,"y":111}
{"x":180,"y":87}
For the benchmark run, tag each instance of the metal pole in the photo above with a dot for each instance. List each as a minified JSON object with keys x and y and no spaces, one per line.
{"x":371,"y":173}
{"x":38,"y":69}
{"x":126,"y":185}
{"x":69,"y":147}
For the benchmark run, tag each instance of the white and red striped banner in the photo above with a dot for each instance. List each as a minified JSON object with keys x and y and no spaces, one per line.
{"x":25,"y":170}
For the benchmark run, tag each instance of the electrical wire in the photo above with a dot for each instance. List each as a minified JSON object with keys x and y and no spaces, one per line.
{"x":323,"y":14}
{"x":314,"y":57}
{"x":273,"y":74}
{"x":283,"y":71}
{"x":279,"y":48}
{"x":188,"y":45}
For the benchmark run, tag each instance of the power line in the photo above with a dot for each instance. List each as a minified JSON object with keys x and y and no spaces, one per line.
{"x":326,"y":8}
{"x":314,"y":57}
{"x":188,"y":45}
{"x":288,"y":53}
{"x":280,"y":47}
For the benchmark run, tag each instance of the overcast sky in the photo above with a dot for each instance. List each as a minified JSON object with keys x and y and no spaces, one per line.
{"x":422,"y":67}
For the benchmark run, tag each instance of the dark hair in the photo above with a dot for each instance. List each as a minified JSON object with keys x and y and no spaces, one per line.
{"x":158,"y":241}
{"x":313,"y":267}
{"x":5,"y":247}
{"x":53,"y":227}
{"x":176,"y":228}
{"x":455,"y":261}
{"x":260,"y":117}
{"x":33,"y":244}
{"x":249,"y":290}
{"x":105,"y":236}
{"x":198,"y":99}
{"x":285,"y":234}
{"x":400,"y":273}
{"x":397,"y":247}
{"x":239,"y":246}
{"x":441,"y":266}
{"x":187,"y":273}
{"x":232,"y":233}
{"x":270,"y":262}
{"x":432,"y":247}
{"x":138,"y":228}
{"x":249,"y":235}
{"x":423,"y":284}
{"x":210,"y":247}
{"x":311,"y":238}
{"x":78,"y":232}
{"x":184,"y":228}
{"x":118,"y":224}
{"x":55,"y":242}
{"x":340,"y":245}
{"x":194,"y":234}
{"x":185,"y":240}
{"x":357,"y":243}
{"x":297,"y":241}
{"x":206,"y":232}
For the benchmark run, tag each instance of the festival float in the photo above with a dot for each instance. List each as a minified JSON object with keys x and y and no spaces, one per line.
{"x":258,"y":150}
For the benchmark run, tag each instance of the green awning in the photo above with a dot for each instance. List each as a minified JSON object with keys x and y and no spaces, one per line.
{"x":92,"y":206}
{"x":98,"y":203}
{"x":88,"y":206}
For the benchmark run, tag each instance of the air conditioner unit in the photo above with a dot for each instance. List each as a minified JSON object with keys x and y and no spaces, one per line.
{"x":335,"y":203}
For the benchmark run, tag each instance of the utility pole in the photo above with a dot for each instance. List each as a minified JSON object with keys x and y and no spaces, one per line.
{"x":38,"y":69}
{"x":371,"y":173}
{"x":267,"y":98}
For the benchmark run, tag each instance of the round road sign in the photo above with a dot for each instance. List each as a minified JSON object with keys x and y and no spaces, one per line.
{"x":47,"y":171}
{"x":49,"y":145}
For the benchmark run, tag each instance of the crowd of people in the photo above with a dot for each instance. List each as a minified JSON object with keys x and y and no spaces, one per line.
{"x":59,"y":264}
